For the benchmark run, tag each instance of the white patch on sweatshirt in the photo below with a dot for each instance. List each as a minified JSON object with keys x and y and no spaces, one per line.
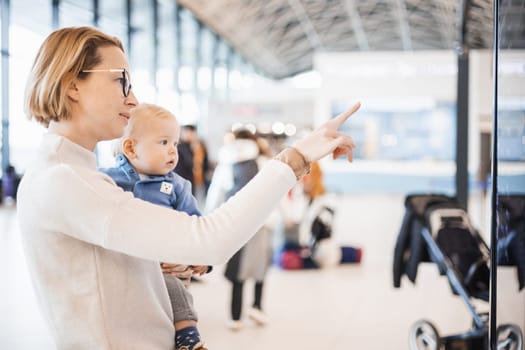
{"x":166,"y":187}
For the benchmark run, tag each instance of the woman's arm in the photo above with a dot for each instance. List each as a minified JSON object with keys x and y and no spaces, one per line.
{"x":99,"y":212}
{"x":87,"y":205}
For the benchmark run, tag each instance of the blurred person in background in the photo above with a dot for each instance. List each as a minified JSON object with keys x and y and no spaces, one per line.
{"x":185,"y":166}
{"x":194,"y":164}
{"x":238,"y":162}
{"x":10,"y":181}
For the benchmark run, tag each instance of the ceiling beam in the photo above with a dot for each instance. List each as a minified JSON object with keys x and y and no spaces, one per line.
{"x":280,"y":36}
{"x":242,"y":41}
{"x":462,"y":11}
{"x":306,"y":24}
{"x":442,"y":11}
{"x":357,"y":25}
{"x":404,"y":26}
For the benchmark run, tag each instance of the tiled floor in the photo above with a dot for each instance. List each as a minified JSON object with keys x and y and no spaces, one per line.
{"x":349,"y":307}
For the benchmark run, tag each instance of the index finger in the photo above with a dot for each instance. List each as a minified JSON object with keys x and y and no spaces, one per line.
{"x":341,"y":118}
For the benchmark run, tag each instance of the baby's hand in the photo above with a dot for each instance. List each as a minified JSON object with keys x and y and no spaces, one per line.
{"x":199,"y":269}
{"x":180,"y":271}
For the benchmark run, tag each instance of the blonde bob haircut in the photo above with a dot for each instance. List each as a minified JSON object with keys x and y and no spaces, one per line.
{"x":60,"y":60}
{"x":140,"y":117}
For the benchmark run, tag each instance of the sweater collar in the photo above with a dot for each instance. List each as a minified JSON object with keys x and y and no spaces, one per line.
{"x":68,"y":151}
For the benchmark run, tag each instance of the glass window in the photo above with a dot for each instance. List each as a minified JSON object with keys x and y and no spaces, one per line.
{"x":511,"y":130}
{"x":112,"y":19}
{"x":221,"y":70}
{"x":204,"y":73}
{"x":30,"y":30}
{"x":75,"y":13}
{"x":405,"y":146}
{"x":507,"y":312}
{"x":167,"y":96}
{"x":418,"y":131}
{"x":1,"y":115}
{"x":188,"y":57}
{"x":141,"y":55}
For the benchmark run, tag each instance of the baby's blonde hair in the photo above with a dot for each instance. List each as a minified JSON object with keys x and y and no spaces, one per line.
{"x":140,"y":116}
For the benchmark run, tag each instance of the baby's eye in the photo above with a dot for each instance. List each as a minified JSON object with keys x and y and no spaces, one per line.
{"x":164,"y":142}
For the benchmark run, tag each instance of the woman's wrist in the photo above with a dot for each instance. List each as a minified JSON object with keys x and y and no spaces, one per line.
{"x":295,"y":160}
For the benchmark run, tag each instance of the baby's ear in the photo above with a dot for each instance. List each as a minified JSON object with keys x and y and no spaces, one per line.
{"x":128,"y":148}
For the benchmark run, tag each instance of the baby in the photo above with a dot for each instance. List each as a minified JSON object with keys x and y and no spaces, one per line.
{"x":145,"y":158}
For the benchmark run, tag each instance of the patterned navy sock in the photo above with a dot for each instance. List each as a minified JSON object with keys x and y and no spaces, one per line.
{"x":188,"y":337}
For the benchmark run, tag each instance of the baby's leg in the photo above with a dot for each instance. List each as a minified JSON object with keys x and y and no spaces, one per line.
{"x":184,"y":316}
{"x":181,"y":300}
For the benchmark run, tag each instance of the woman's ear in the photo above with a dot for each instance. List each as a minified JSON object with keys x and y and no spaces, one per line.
{"x":128,"y":148}
{"x":73,"y":92}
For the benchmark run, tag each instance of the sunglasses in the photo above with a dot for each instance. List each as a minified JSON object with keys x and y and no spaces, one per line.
{"x":125,"y":81}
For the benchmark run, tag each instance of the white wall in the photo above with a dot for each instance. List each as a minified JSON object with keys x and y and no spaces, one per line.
{"x":264,"y":102}
{"x":352,"y":76}
{"x":386,"y":78}
{"x":405,"y":78}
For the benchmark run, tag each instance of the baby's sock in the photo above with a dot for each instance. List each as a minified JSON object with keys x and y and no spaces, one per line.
{"x":187,"y":337}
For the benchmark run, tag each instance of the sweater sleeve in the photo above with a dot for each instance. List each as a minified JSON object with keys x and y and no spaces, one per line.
{"x":93,"y":209}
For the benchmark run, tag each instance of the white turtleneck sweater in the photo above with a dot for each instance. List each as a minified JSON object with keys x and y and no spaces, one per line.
{"x":93,"y":250}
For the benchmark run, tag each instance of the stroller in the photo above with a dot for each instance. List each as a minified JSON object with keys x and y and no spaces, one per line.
{"x":511,"y":233}
{"x":437,"y":229}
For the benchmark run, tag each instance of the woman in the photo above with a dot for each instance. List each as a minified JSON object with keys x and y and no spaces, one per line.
{"x":238,"y":162}
{"x":92,"y":249}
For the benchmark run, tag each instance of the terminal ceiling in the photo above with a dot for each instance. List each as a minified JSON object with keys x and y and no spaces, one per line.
{"x":280,"y":37}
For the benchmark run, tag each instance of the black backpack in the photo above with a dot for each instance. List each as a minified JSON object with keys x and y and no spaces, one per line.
{"x":322,"y":225}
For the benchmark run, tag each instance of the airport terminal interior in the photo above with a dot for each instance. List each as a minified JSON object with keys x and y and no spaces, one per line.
{"x":442,"y":122}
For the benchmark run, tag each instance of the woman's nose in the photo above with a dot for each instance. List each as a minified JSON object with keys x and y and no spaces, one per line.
{"x":131,"y":100}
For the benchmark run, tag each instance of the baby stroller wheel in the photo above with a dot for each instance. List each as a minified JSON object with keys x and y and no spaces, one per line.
{"x":509,"y":337}
{"x":423,"y":336}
